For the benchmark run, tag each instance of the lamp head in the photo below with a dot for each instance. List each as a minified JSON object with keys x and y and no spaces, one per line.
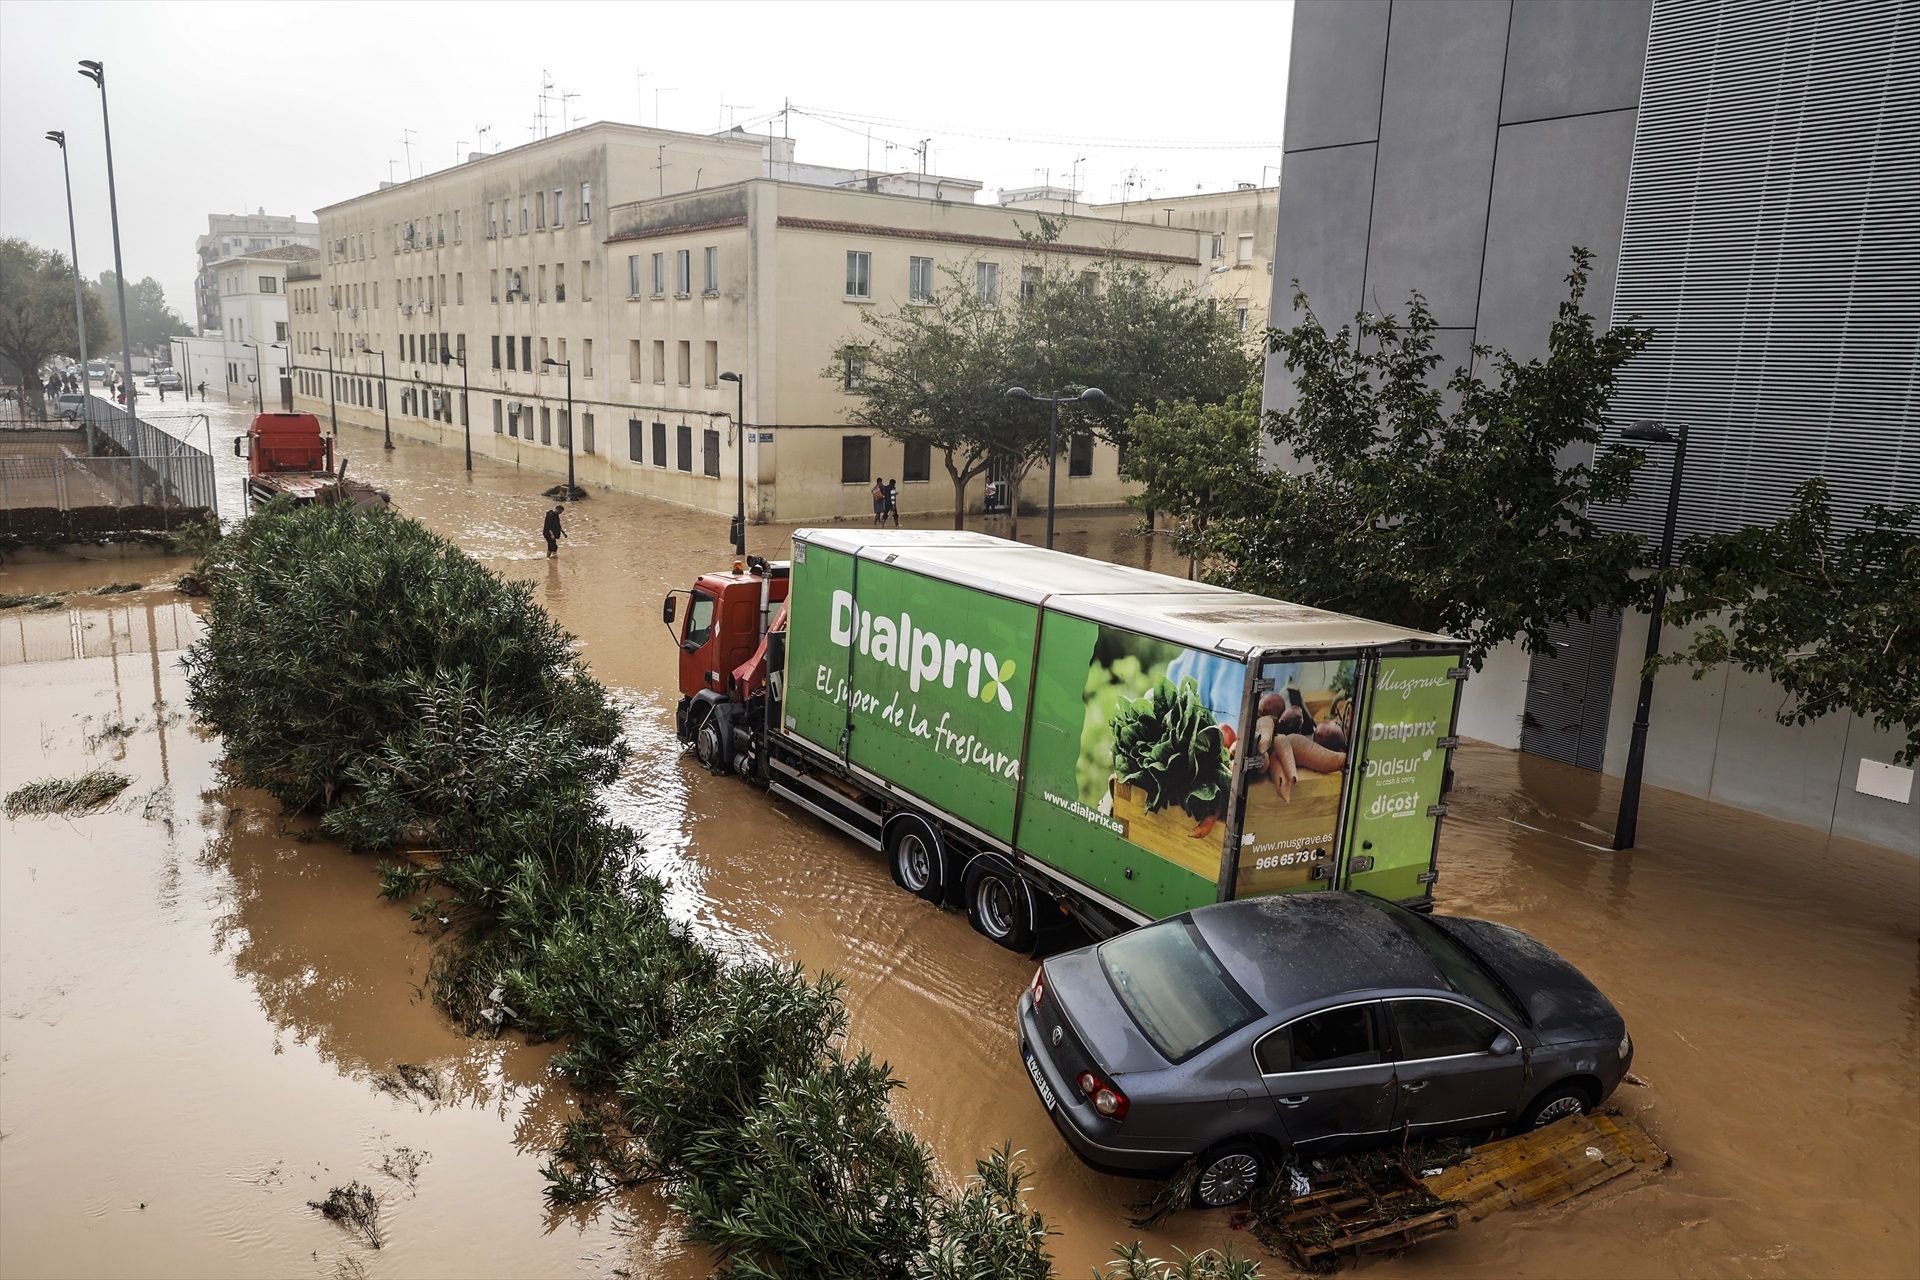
{"x":550,"y":360}
{"x":57,"y":138}
{"x":729,"y":377}
{"x":94,"y":72}
{"x":1094,"y":395}
{"x":1019,"y":393}
{"x":1647,"y":433}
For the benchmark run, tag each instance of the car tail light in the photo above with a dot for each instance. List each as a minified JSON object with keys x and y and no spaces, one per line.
{"x":1038,"y":987}
{"x":1106,"y":1099}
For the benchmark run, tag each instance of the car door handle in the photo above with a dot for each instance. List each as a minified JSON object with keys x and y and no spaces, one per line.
{"x":1413,"y":1086}
{"x":1292,"y":1100}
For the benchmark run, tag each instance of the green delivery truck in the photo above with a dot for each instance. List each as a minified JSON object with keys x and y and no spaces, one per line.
{"x":1034,"y":735}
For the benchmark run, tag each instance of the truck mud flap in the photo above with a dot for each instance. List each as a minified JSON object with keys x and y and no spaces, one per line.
{"x":825,"y":805}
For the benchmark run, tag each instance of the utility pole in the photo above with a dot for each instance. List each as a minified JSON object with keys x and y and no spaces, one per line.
{"x":59,"y":139}
{"x":97,"y":72}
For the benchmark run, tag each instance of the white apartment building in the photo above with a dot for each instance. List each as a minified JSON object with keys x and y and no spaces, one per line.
{"x":1238,"y":230}
{"x":646,"y":263}
{"x":232,"y":234}
{"x":250,"y":356}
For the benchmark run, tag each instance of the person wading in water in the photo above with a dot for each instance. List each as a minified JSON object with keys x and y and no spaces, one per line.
{"x":552,"y":531}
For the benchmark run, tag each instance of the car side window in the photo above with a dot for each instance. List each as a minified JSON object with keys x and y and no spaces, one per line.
{"x":1321,"y":1041}
{"x":1440,"y":1029}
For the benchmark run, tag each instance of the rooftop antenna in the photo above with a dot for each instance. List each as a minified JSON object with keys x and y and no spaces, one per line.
{"x":406,"y":141}
{"x":481,"y":131}
{"x":390,"y":163}
{"x":565,"y":98}
{"x":1073,"y":183}
{"x":459,"y":151}
{"x":660,"y":166}
{"x":640,"y":98}
{"x":546,"y":91}
{"x":922,"y":149}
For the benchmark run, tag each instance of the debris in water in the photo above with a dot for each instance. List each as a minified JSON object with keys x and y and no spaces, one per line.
{"x":402,"y":1164}
{"x":408,"y":1080}
{"x":67,"y":795}
{"x":561,"y":491}
{"x":33,"y":600}
{"x":116,"y":588}
{"x":354,"y":1207}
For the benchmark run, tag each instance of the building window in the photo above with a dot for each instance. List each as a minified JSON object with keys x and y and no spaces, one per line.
{"x":859,"y":274}
{"x":1080,"y":454}
{"x":546,"y":425}
{"x":279,"y":331}
{"x":710,"y":452}
{"x":586,"y":357}
{"x":586,"y":280}
{"x":920,"y":280}
{"x":712,"y":255}
{"x":1240,"y":319}
{"x":853,"y":371}
{"x":557,"y":218}
{"x":633,"y":275}
{"x":917,"y":462}
{"x":1029,"y":283}
{"x":540,"y":215}
{"x":713,"y":364}
{"x":523,"y":215}
{"x":634,"y":441}
{"x":498,"y":426}
{"x":496,"y":353}
{"x":683,"y":448}
{"x":1218,"y":245}
{"x":526,"y":353}
{"x":459,"y":288}
{"x":559,"y":282}
{"x":566,"y":429}
{"x":1244,"y":256}
{"x":659,"y":275}
{"x":545,"y":354}
{"x":634,"y":371}
{"x":510,"y":346}
{"x":659,"y":360}
{"x":660,"y":445}
{"x":493,"y":284}
{"x":856,"y":460}
{"x":586,"y":202}
{"x":269,"y":285}
{"x":540,"y":281}
{"x":683,"y":272}
{"x":986,"y":282}
{"x":586,"y":433}
{"x":685,"y":353}
{"x":493,"y":229}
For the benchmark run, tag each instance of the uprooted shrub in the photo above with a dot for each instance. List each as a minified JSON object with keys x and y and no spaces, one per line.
{"x":363,"y":669}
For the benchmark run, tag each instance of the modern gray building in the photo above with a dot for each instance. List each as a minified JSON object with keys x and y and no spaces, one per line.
{"x":1747,"y":176}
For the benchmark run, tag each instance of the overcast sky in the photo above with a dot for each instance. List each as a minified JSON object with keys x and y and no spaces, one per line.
{"x":232,"y":107}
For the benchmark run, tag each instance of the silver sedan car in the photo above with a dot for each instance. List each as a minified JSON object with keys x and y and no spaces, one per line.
{"x":1245,"y":1031}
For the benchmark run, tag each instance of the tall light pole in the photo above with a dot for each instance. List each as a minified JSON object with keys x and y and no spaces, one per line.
{"x":59,"y":139}
{"x":1627,"y":825}
{"x":466,"y":423}
{"x":568,"y":366}
{"x":386,"y":414}
{"x":97,"y":72}
{"x":333,"y":413}
{"x":1092,"y":395}
{"x":739,"y":462}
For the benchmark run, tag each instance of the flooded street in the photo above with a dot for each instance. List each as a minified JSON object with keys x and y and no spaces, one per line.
{"x":205,"y":1013}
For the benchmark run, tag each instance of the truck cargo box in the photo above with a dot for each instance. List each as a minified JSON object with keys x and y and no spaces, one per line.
{"x":1148,"y":741}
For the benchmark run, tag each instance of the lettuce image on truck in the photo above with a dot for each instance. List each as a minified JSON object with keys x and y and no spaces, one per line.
{"x":1031,"y":733}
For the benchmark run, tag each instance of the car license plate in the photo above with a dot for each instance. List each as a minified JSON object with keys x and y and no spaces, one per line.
{"x":1039,"y":1081}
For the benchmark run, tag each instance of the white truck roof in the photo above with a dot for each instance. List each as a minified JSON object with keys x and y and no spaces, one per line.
{"x":1194,"y":614}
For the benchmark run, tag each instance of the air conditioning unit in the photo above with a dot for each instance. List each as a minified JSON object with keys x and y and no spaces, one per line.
{"x":559,"y":293}
{"x":513,"y":411}
{"x":426,"y":306}
{"x":360,"y":344}
{"x":406,"y":308}
{"x":353,"y":313}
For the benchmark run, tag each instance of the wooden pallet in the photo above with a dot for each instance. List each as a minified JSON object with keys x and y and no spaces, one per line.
{"x":1381,"y":1210}
{"x":1544,"y":1168}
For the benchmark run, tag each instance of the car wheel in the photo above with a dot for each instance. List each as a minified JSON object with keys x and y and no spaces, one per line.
{"x":1556,"y":1103}
{"x":1228,"y":1174}
{"x":918,"y":865}
{"x":997,"y":905}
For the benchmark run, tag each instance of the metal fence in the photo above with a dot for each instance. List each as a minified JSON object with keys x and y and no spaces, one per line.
{"x":136,"y":478}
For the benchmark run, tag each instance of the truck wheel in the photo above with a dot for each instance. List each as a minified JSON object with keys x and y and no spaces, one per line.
{"x":707,"y":746}
{"x":999,"y":904}
{"x":917,"y":859}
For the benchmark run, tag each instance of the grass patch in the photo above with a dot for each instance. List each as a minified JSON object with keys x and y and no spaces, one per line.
{"x":67,"y":795}
{"x":33,"y":600}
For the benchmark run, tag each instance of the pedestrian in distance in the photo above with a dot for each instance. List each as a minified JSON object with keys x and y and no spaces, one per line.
{"x":552,"y":531}
{"x":893,"y":501}
{"x":879,"y":496}
{"x":202,"y":389}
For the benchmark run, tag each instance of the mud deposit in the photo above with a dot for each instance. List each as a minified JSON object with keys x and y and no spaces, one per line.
{"x":207,"y":1014}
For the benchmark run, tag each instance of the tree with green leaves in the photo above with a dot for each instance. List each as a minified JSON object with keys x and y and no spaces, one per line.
{"x":1832,"y":618}
{"x":937,"y":371}
{"x":150,"y":321}
{"x":1193,"y":460}
{"x":36,"y":315}
{"x":1448,"y":505}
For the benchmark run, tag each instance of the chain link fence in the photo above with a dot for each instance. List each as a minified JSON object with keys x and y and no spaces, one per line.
{"x":134,"y":479}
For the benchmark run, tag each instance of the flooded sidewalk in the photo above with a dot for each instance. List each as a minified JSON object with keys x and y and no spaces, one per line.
{"x":202,"y":1006}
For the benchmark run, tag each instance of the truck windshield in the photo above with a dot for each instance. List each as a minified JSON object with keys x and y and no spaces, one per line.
{"x":1174,"y":989}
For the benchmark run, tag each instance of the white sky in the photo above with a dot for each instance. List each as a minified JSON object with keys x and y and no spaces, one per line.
{"x":227,"y":107}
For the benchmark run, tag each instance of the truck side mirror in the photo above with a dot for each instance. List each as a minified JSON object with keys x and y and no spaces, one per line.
{"x":1503,"y":1046}
{"x":668,"y":608}
{"x":240,"y":447}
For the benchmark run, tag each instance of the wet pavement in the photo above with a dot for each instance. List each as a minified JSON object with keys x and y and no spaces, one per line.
{"x":187,"y":1011}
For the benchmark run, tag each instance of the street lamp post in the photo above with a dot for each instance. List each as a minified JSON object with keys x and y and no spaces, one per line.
{"x":386,"y":414}
{"x":259,"y":405}
{"x":1092,"y":395}
{"x":97,"y":72}
{"x":466,"y":422}
{"x":333,"y":413}
{"x":568,"y":366}
{"x":739,"y":462}
{"x":1627,"y":825}
{"x":59,"y":139}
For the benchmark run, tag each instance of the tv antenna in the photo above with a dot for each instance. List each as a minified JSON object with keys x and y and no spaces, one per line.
{"x":406,"y":141}
{"x":566,"y":97}
{"x":481,"y":131}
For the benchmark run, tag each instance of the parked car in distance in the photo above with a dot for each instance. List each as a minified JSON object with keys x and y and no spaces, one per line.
{"x":1311,"y":1022}
{"x":167,"y":380}
{"x":70,"y":407}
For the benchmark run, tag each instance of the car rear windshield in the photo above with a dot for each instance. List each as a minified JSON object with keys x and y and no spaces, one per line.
{"x":1462,"y":971}
{"x":1174,"y":989}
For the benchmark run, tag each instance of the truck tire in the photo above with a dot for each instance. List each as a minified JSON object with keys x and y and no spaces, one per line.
{"x":707,"y":746}
{"x":917,"y":858}
{"x":999,"y":904}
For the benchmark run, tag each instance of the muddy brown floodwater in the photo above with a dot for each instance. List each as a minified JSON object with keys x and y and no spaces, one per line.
{"x":206,"y":1016}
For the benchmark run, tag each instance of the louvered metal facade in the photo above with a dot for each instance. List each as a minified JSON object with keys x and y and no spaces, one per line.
{"x":1772,"y":242}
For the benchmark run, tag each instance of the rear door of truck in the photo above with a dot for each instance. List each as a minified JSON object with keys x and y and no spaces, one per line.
{"x":1390,"y":829}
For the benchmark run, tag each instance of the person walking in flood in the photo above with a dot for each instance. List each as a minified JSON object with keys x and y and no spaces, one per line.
{"x":552,"y":531}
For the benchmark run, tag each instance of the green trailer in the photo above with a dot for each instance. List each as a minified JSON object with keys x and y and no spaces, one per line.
{"x":1032,"y":733}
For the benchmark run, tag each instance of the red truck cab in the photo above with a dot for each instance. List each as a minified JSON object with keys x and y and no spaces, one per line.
{"x":724,"y":640}
{"x":287,"y":454}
